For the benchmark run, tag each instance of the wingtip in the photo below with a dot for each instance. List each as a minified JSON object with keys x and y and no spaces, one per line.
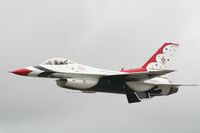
{"x":170,"y":43}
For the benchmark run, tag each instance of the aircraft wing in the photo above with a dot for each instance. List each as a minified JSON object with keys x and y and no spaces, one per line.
{"x":136,"y":76}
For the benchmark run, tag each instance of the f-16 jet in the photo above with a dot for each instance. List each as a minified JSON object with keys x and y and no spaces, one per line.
{"x":137,"y":84}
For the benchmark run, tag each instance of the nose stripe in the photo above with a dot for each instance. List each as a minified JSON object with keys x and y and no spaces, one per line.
{"x":46,"y":73}
{"x":43,"y":69}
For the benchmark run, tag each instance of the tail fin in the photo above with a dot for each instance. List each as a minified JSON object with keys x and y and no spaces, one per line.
{"x":162,"y":57}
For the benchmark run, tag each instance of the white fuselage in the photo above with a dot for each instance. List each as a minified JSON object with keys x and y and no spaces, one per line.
{"x":89,"y":76}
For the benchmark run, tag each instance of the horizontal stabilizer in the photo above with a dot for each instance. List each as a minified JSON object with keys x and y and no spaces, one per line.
{"x":160,"y":71}
{"x":172,"y":84}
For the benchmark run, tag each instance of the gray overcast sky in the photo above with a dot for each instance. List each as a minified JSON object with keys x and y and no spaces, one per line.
{"x":109,"y":34}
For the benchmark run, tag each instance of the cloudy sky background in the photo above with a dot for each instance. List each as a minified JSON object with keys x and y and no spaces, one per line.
{"x":108,"y":34}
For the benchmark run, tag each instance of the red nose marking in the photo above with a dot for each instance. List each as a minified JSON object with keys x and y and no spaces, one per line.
{"x":22,"y":71}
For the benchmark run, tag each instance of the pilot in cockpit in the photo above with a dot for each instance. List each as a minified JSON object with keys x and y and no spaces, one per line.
{"x":57,"y":61}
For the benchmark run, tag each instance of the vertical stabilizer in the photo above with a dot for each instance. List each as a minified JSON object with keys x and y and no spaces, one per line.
{"x":162,"y":57}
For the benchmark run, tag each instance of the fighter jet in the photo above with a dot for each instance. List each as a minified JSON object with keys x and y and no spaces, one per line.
{"x":137,"y":84}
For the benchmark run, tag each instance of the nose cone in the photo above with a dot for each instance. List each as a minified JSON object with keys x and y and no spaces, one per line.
{"x":22,"y":71}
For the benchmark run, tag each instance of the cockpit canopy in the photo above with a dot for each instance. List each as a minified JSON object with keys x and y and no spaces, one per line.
{"x":57,"y":61}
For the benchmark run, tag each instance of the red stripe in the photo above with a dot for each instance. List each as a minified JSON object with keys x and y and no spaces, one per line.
{"x":135,"y":70}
